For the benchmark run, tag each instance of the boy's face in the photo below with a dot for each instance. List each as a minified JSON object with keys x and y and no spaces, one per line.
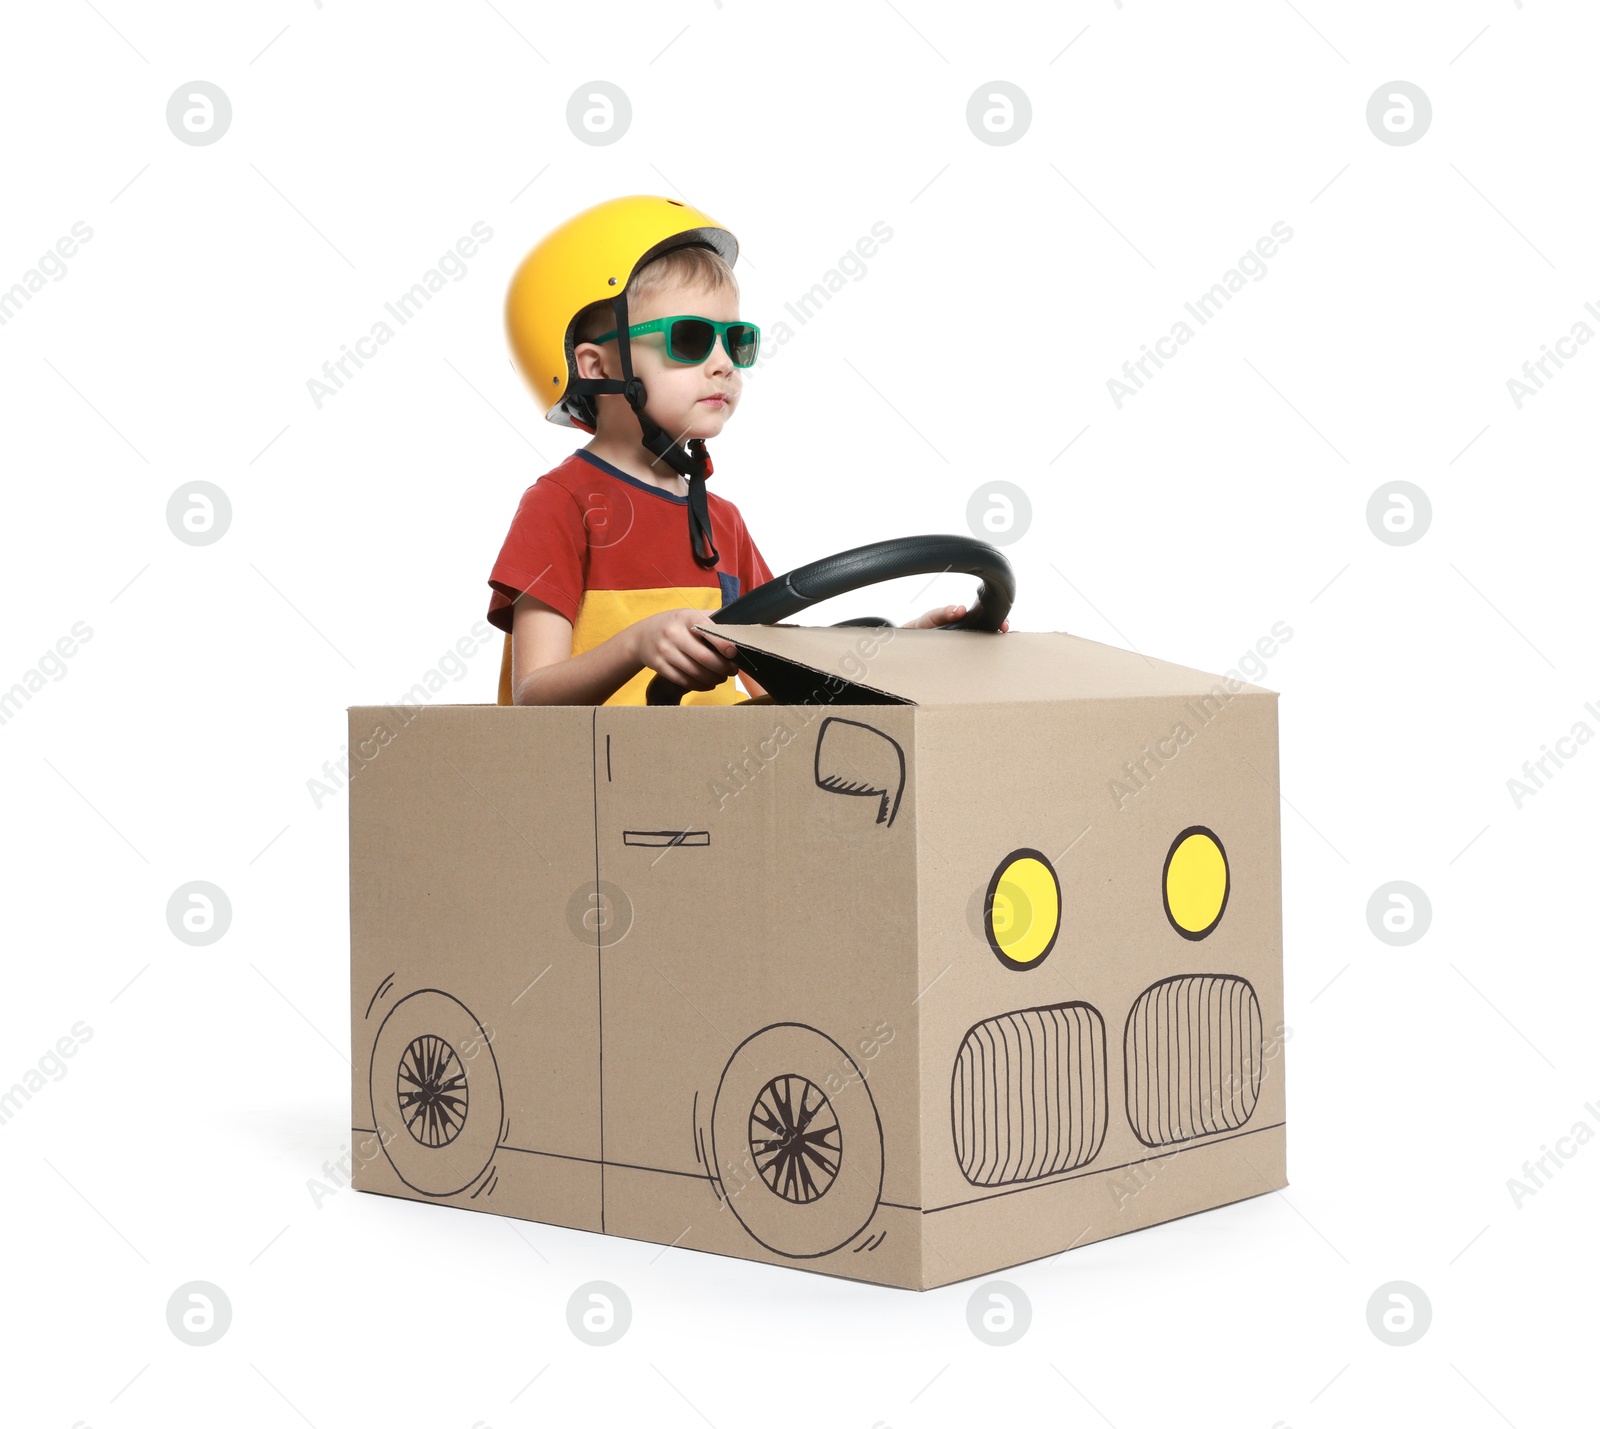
{"x":681,"y":395}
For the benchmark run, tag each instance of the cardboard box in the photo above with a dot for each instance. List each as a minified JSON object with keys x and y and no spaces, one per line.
{"x":964,"y":951}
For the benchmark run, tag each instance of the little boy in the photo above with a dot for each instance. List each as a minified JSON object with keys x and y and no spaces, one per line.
{"x":625,"y":322}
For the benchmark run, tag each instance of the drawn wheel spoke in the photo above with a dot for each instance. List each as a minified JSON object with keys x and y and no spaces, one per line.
{"x":794,"y":1139}
{"x":432,"y":1088}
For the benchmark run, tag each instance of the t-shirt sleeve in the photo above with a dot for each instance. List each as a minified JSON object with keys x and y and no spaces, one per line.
{"x":545,"y":555}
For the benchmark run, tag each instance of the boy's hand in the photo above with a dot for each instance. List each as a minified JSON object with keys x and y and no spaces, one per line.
{"x":942,"y":615}
{"x":666,"y":642}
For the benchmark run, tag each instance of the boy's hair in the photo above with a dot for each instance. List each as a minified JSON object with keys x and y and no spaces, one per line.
{"x":692,"y":266}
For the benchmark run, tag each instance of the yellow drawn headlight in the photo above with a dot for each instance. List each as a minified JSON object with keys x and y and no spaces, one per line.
{"x":1022,"y":909}
{"x":1194,"y":882}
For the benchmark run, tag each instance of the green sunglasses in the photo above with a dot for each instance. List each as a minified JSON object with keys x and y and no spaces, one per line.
{"x":690,"y":339}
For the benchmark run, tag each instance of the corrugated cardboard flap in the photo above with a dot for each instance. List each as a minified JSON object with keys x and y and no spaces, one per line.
{"x":885,"y":664}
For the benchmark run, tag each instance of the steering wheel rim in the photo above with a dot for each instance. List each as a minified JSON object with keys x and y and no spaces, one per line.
{"x":792,"y":592}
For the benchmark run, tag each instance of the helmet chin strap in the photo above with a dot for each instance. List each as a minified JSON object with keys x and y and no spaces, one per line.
{"x":693,"y":464}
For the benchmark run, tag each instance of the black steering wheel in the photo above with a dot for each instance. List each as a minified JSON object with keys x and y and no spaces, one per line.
{"x":787,"y":594}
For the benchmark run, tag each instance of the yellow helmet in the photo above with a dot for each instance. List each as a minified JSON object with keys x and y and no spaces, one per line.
{"x":587,"y":259}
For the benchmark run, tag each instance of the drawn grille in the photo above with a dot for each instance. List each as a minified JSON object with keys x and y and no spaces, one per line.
{"x":1028,"y":1094}
{"x":1192,"y":1054}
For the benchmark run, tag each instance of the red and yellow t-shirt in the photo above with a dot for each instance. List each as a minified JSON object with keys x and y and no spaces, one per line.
{"x":606,"y":549}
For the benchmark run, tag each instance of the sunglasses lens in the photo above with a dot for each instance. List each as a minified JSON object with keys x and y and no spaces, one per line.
{"x":744,"y":341}
{"x":692,"y":339}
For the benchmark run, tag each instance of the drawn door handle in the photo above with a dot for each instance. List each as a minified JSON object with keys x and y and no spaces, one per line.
{"x":666,"y":838}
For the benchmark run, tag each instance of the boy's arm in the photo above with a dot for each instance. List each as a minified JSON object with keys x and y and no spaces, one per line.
{"x":544,"y":671}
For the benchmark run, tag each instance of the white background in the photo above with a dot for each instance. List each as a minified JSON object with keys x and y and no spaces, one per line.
{"x":1231,"y":493}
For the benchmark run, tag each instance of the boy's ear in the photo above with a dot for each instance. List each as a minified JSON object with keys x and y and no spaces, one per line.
{"x":591,"y":360}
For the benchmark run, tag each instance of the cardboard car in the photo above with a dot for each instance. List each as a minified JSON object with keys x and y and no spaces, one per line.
{"x":963,"y":950}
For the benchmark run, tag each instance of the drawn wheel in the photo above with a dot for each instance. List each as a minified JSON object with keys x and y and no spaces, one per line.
{"x":436,"y":1097}
{"x":797,"y":1141}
